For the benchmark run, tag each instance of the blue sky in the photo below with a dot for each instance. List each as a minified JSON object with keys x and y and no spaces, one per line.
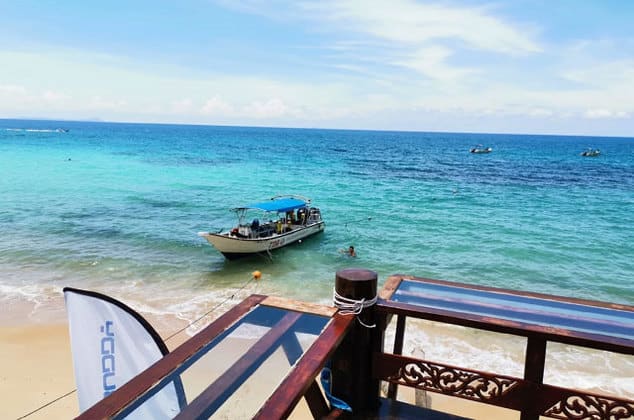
{"x":560,"y":67}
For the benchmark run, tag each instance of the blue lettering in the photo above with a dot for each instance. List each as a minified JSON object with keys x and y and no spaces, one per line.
{"x":104,"y":341}
{"x":107,"y":358}
{"x":108,"y":389}
{"x":106,"y":328}
{"x":107,"y":364}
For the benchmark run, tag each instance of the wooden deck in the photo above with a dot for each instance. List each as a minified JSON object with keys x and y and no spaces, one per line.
{"x":283,"y":320}
{"x":354,"y":351}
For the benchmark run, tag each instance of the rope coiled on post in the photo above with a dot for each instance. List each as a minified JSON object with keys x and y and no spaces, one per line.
{"x":349,"y":306}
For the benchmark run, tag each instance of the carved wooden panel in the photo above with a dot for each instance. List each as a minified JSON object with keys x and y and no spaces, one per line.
{"x":502,"y":391}
{"x":453,"y":381}
{"x":590,"y":407}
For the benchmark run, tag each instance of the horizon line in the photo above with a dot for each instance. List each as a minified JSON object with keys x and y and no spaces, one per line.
{"x":102,"y":121}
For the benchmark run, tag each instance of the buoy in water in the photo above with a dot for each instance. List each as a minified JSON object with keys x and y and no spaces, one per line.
{"x":256,"y":274}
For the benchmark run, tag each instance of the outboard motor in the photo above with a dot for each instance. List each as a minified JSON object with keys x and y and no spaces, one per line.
{"x":314,"y":215}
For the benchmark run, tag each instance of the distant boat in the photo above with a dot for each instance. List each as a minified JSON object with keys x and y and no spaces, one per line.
{"x":62,"y":130}
{"x":589,"y":152}
{"x":480,"y":149}
{"x":290,"y":219}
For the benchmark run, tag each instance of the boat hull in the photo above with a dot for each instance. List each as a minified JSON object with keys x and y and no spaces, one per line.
{"x":233,"y":247}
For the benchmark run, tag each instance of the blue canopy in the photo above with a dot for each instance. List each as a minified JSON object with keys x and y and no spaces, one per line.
{"x":278,"y":205}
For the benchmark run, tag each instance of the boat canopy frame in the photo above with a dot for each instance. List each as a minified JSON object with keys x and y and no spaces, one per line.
{"x":277,"y":204}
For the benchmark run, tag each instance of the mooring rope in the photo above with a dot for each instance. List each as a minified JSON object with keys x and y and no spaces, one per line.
{"x":349,"y":306}
{"x":212,"y":309}
{"x":357,"y":221}
{"x":47,"y":404}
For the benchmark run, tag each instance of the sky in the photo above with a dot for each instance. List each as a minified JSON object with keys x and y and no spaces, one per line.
{"x":542,"y":67}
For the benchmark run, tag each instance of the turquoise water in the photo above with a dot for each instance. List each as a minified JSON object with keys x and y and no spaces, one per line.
{"x":117,"y":207}
{"x":115,"y":202}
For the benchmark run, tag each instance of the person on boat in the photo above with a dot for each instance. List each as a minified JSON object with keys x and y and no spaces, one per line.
{"x":301,"y":215}
{"x":290,"y":217}
{"x":278,"y":226}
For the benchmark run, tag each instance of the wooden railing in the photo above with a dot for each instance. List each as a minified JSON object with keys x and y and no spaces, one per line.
{"x":612,"y":331}
{"x":353,"y":348}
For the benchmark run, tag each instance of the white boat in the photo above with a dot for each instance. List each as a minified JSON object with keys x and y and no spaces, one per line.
{"x":288,"y":219}
{"x":591,"y":152}
{"x":480,"y":149}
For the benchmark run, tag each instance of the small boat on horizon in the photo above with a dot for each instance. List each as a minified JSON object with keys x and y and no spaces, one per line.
{"x":590,"y":152}
{"x":290,"y":219}
{"x":480,"y":149}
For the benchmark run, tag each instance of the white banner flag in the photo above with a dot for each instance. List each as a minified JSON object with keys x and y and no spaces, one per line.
{"x":111,"y":344}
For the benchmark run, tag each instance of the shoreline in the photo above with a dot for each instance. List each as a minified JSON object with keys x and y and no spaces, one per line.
{"x":36,"y":362}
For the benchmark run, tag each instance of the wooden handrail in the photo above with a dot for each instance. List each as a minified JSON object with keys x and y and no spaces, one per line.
{"x":528,"y":395}
{"x":281,"y":403}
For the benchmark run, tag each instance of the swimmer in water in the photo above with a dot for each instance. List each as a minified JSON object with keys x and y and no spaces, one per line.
{"x":350,"y":251}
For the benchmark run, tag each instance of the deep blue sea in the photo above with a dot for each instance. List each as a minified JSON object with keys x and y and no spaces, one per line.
{"x":116,"y":208}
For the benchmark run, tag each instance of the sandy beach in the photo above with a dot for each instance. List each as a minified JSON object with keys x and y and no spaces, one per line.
{"x":36,"y":366}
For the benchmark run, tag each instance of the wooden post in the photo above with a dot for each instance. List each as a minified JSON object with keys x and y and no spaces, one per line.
{"x":351,"y":364}
{"x":392,"y":390}
{"x":534,"y":372}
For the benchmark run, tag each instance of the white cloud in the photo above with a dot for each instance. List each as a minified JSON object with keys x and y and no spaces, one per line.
{"x":432,"y":63}
{"x":352,"y":68}
{"x":540,"y":112}
{"x":271,"y":108}
{"x":605,"y":113}
{"x":12,"y":90}
{"x":430,"y":39}
{"x":602,"y":73}
{"x":417,"y":35}
{"x":182,"y":106}
{"x":19,"y":98}
{"x":99,"y":103}
{"x":54,"y":97}
{"x":412,"y":23}
{"x":217,"y":107}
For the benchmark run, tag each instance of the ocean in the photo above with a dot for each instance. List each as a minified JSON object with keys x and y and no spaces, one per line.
{"x":116,"y":208}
